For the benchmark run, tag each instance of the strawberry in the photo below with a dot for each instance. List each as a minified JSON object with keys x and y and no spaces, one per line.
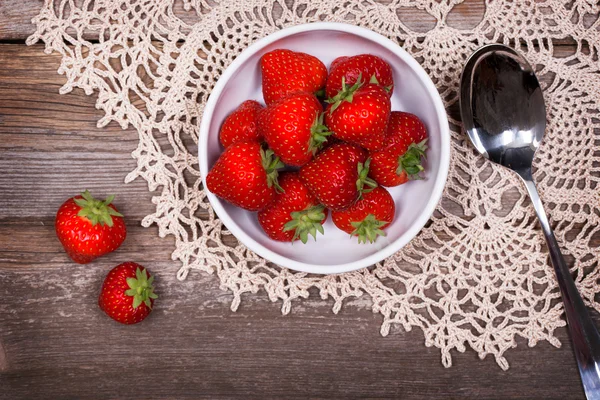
{"x":89,"y":228}
{"x":286,"y":71}
{"x":295,"y":212}
{"x":400,"y":158}
{"x":127,"y":295}
{"x":368,"y":217}
{"x":348,"y":69}
{"x":293,"y":128}
{"x":245,"y":175}
{"x":241,"y":125}
{"x":334,"y":64}
{"x":359,"y":114}
{"x":338,"y":175}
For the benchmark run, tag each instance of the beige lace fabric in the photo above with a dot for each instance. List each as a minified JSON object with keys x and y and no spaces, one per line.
{"x":477,"y":275}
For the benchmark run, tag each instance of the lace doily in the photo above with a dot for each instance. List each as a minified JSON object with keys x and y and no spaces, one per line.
{"x":478,"y":273}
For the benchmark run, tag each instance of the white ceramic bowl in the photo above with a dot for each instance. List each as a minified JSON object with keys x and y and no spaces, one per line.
{"x":336,"y":251}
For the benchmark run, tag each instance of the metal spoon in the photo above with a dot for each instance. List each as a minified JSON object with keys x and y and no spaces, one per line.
{"x":503,"y":112}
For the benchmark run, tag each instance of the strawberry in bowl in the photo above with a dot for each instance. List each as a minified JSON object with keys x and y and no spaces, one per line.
{"x":332,"y":97}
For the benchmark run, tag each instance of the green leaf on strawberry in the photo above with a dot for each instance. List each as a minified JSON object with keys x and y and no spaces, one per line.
{"x":364,"y":184}
{"x":376,"y":82}
{"x":97,"y":211}
{"x":410,"y":162}
{"x":271,"y":164}
{"x":141,"y":289}
{"x":306,"y":222}
{"x":319,"y":134}
{"x":346,"y":94}
{"x":368,"y":229}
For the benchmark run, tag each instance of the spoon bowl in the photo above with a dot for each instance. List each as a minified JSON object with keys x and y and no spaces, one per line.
{"x":502,"y":106}
{"x":503,"y":112}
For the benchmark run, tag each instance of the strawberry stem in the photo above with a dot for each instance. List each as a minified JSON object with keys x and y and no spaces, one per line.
{"x":346,"y":94}
{"x":96,"y":211}
{"x":410,"y":161}
{"x":306,"y":222}
{"x":318,"y":134}
{"x":271,"y":164}
{"x":368,"y":229}
{"x":141,"y":289}
{"x":363,"y":178}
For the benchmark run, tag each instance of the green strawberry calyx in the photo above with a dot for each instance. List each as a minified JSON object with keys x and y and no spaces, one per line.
{"x":376,"y":82}
{"x":96,"y":211}
{"x":271,"y":164}
{"x":305,"y":222}
{"x":368,"y":229}
{"x":364,"y":184}
{"x":141,"y":289}
{"x":346,"y":94}
{"x":318,"y":134}
{"x":410,"y":161}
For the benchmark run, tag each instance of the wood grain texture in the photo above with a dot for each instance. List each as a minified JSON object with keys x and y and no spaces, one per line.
{"x":16,"y":16}
{"x":55,"y":343}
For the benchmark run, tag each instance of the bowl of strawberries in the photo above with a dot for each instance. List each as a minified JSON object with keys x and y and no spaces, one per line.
{"x":324,"y":148}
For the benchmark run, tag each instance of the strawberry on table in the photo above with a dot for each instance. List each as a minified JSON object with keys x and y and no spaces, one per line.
{"x":127,"y":294}
{"x":348,"y":69}
{"x":368,"y":217}
{"x":89,"y":228}
{"x":338,"y":175}
{"x":359,"y":114}
{"x":285,"y":71}
{"x":400,"y":158}
{"x":241,"y":125}
{"x":293,"y":128}
{"x":245,"y":175}
{"x":295,"y":212}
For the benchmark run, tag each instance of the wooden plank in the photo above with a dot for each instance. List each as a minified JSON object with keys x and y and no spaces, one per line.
{"x":50,"y":140}
{"x":39,"y":128}
{"x":56,"y":343}
{"x":15,"y":18}
{"x":16,"y":15}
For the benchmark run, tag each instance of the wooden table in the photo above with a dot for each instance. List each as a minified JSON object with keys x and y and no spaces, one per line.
{"x":56,"y":343}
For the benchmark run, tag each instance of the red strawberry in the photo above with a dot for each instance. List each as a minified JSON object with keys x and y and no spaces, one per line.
{"x":294,"y":214}
{"x":241,"y":125}
{"x":368,"y":217}
{"x":400,"y":158}
{"x":245,"y":175}
{"x":286,"y":71}
{"x":89,"y":228}
{"x":293,"y":128}
{"x":127,"y":295}
{"x":350,"y":68}
{"x":338,"y":175}
{"x":335,"y":63}
{"x":359,"y":114}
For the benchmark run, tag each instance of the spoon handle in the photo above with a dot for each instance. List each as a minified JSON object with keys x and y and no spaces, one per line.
{"x":584,"y":335}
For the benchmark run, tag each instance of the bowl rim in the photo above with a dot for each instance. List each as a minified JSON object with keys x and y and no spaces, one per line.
{"x":394,"y":246}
